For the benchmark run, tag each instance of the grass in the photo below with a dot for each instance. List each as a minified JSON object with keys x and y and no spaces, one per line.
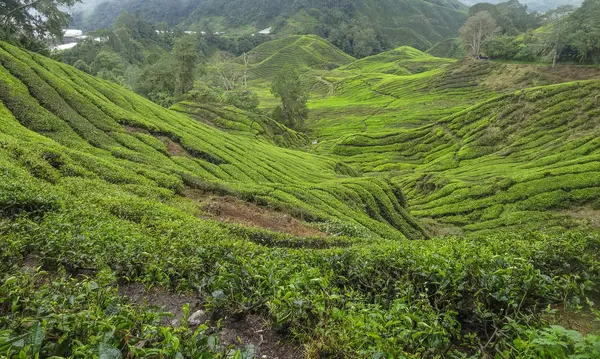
{"x":95,"y":191}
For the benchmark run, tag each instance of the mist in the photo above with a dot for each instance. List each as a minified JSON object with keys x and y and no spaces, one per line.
{"x":87,"y":6}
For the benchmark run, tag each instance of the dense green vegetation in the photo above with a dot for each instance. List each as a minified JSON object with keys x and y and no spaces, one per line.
{"x":152,"y":60}
{"x":27,"y":22}
{"x":422,"y":207}
{"x":566,"y":34}
{"x":359,"y":27}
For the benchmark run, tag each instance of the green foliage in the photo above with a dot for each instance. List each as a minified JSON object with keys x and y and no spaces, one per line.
{"x":101,"y":187}
{"x":567,"y":35}
{"x":555,"y":342}
{"x":511,"y":16}
{"x":584,"y":32}
{"x":408,"y":22}
{"x":27,"y":22}
{"x":242,"y":99}
{"x":60,"y":316}
{"x":501,"y":47}
{"x":186,"y":58}
{"x":289,"y":86}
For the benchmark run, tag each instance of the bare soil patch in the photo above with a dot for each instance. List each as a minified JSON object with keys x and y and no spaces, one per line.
{"x":173,"y":148}
{"x":161,"y":298}
{"x":581,"y":321}
{"x":230,"y":209}
{"x":592,"y":216}
{"x":568,"y":73}
{"x":133,"y":129}
{"x":253,"y":331}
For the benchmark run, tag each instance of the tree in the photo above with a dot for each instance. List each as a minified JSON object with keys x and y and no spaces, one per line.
{"x":557,"y":38}
{"x":228,"y":72}
{"x":289,"y":86}
{"x":477,"y":30}
{"x":366,"y":43}
{"x":186,"y":57}
{"x":28,"y":22}
{"x":244,"y":99}
{"x":501,"y":47}
{"x":583,"y":29}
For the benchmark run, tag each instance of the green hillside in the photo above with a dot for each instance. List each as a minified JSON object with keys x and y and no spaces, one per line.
{"x":434,"y":208}
{"x":404,"y":60}
{"x":463,"y":144}
{"x":242,"y":122}
{"x":129,"y":132}
{"x":304,"y":52}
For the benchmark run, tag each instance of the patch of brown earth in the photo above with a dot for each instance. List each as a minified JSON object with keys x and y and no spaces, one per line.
{"x":253,"y":331}
{"x":173,"y":148}
{"x":30,"y":263}
{"x":438,"y":229}
{"x":133,"y":129}
{"x":582,"y":321}
{"x":591,"y":216}
{"x":569,"y":73}
{"x":161,"y":298}
{"x":229,"y":209}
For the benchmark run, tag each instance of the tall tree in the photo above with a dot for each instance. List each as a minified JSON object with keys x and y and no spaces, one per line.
{"x":558,"y":38}
{"x":583,"y":30}
{"x":186,"y":56}
{"x":289,"y":86}
{"x":477,"y":30}
{"x":29,"y":22}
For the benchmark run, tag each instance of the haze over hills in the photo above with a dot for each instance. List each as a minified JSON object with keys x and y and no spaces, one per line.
{"x":533,"y":5}
{"x":417,"y":23}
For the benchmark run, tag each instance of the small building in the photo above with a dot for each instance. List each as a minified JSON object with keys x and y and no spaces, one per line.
{"x":72,"y":36}
{"x":266,"y":31}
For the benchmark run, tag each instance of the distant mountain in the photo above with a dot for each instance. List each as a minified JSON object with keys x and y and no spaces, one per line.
{"x":418,"y":23}
{"x":532,"y":5}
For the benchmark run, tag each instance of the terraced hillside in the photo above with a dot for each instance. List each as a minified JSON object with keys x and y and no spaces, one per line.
{"x":304,"y":52}
{"x":242,"y":122}
{"x":112,"y":206}
{"x":132,"y":141}
{"x":463,"y":144}
{"x":404,"y":60}
{"x":519,"y":160}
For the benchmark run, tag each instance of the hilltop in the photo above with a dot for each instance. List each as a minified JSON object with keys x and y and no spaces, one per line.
{"x":404,"y":60}
{"x":305,"y":52}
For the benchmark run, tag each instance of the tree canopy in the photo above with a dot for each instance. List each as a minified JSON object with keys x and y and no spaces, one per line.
{"x":478,"y":28}
{"x":289,"y":86}
{"x":28,"y":22}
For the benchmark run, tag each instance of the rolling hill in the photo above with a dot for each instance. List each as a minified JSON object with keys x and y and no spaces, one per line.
{"x":404,"y":60}
{"x":305,"y":52}
{"x":442,"y":207}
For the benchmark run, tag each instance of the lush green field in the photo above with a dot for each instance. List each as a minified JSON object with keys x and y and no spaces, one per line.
{"x":304,"y":52}
{"x":101,"y":188}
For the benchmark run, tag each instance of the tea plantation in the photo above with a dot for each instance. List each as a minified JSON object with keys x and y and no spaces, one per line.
{"x":455,"y":213}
